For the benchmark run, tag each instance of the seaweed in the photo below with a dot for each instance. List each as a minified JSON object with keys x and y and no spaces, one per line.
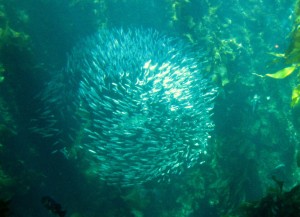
{"x":291,"y":57}
{"x":276,"y":203}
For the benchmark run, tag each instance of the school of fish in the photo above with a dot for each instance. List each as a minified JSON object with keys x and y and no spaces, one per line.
{"x":135,"y":101}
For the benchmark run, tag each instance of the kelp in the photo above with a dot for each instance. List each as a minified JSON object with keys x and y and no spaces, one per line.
{"x":291,"y":58}
{"x":295,"y":96}
{"x":283,"y":73}
{"x":276,"y":203}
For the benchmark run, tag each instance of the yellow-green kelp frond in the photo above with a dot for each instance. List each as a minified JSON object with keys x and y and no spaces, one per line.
{"x":295,"y":96}
{"x":282,"y":73}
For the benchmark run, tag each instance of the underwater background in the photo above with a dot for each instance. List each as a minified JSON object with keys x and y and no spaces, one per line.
{"x":251,"y":49}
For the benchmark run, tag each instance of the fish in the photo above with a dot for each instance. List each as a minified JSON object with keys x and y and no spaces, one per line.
{"x":53,"y":206}
{"x":138,"y":101}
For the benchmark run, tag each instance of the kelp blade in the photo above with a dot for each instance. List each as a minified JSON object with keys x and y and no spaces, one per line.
{"x":283,"y":73}
{"x":295,"y":96}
